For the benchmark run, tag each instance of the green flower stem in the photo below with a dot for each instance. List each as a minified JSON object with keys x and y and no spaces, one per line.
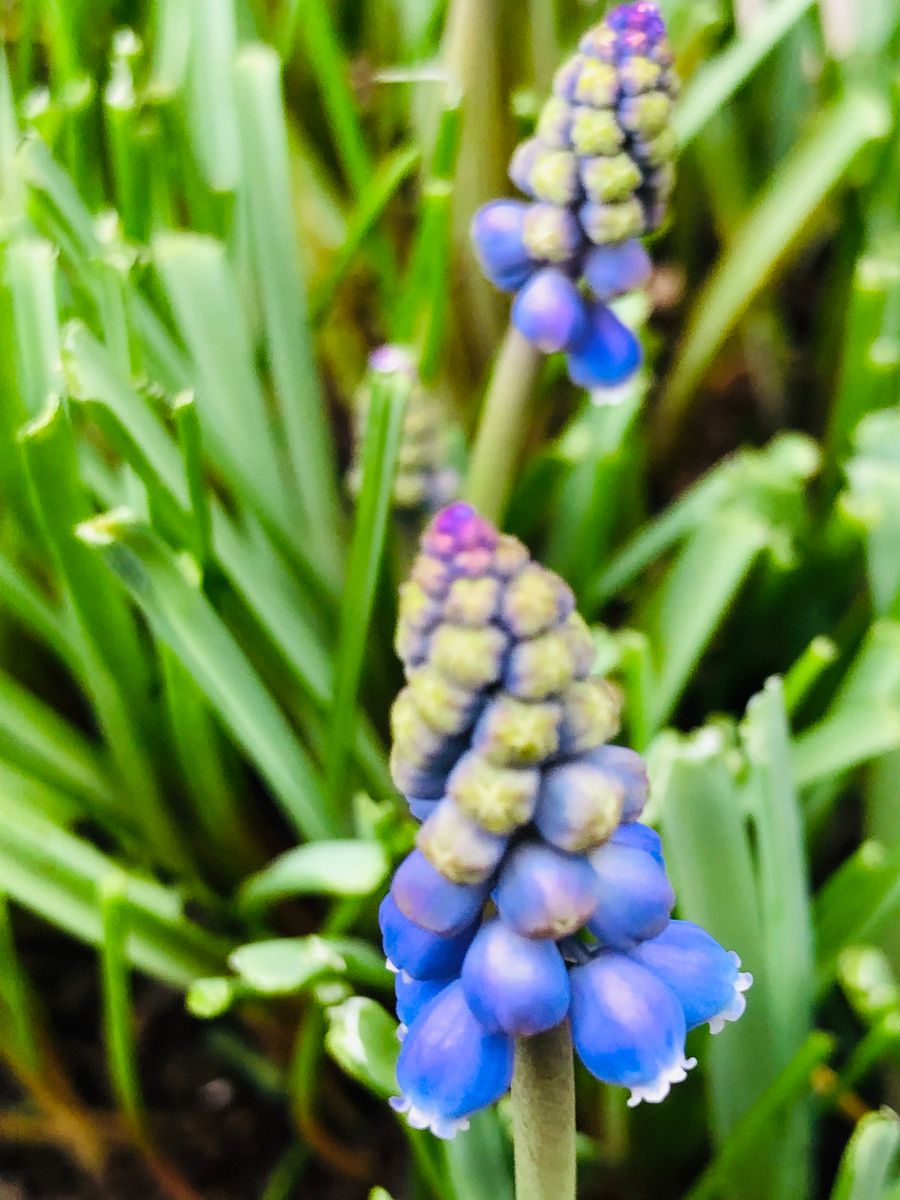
{"x":543,"y":1099}
{"x":503,"y":427}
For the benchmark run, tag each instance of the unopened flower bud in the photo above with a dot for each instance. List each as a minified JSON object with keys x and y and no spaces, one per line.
{"x":551,"y":234}
{"x":534,"y":601}
{"x":590,"y":716}
{"x":501,"y":799}
{"x":579,"y":806}
{"x":595,"y":131}
{"x":613,"y":222}
{"x":523,"y":161}
{"x":598,"y":84}
{"x":554,"y":123}
{"x":461,"y":849}
{"x":518,"y":733}
{"x":471,"y":658}
{"x":540,"y":667}
{"x":554,"y":177}
{"x":609,"y":180}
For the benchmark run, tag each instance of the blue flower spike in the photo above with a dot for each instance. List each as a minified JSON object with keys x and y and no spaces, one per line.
{"x":598,"y":173}
{"x":534,"y":895}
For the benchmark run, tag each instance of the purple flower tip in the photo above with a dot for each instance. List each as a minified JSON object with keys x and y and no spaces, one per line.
{"x":391,"y":359}
{"x":459,"y":528}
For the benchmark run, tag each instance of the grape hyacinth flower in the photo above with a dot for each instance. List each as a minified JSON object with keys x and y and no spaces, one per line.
{"x":424,"y":480}
{"x":535,"y":895}
{"x":598,"y":174}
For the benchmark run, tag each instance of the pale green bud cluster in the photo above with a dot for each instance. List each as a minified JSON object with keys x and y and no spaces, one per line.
{"x":604,"y":145}
{"x":423,"y":480}
{"x":499,"y":689}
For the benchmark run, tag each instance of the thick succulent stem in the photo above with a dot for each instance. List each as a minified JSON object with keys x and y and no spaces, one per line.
{"x":543,"y":1098}
{"x":502,"y":427}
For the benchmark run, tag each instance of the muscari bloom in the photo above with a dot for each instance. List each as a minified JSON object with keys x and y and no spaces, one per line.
{"x":598,"y":174}
{"x":535,"y":894}
{"x":423,"y":479}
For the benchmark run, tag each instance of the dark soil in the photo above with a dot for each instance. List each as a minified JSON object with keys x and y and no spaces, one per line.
{"x":222,"y":1133}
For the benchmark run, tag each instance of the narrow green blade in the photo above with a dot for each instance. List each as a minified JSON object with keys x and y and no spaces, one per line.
{"x":183,"y":619}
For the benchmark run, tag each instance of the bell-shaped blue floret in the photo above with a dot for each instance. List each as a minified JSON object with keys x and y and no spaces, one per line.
{"x":640,"y":837}
{"x":413,"y":994}
{"x":450,"y":1066}
{"x":635,"y":896}
{"x":628,"y":766}
{"x":550,"y":311}
{"x":497,"y":232}
{"x":513,"y":984}
{"x":628,"y":1026}
{"x":706,"y":978}
{"x":433,"y":902}
{"x":609,"y":354}
{"x":545,"y":893}
{"x":418,"y":952}
{"x":617,"y":268}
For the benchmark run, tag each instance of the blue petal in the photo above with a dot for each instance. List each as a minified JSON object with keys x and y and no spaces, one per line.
{"x":628,"y":766}
{"x":550,"y":311}
{"x":641,"y":837}
{"x":421,"y":954}
{"x":544,"y":893}
{"x":413,"y":994}
{"x":428,"y":899}
{"x":628,"y":1026}
{"x":420,"y":807}
{"x":450,"y":1066}
{"x":706,"y":978}
{"x":609,"y":354}
{"x":617,"y":268}
{"x":635,"y":897}
{"x":497,"y":230}
{"x":513,"y":984}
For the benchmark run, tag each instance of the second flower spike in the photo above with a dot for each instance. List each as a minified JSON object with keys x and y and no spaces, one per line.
{"x":598,"y":174}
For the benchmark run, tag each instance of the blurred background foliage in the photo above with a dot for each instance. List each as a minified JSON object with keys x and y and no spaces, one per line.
{"x":210,"y":211}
